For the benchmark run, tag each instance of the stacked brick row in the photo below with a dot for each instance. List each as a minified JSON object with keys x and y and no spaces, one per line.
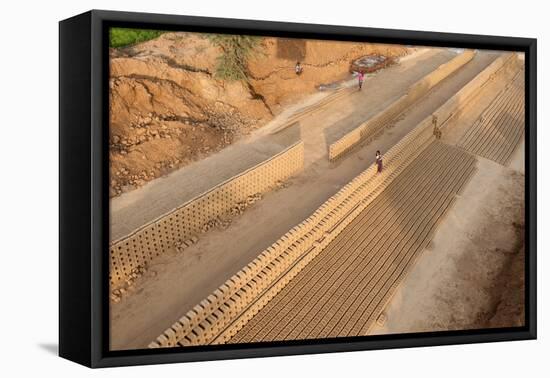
{"x":222,"y":314}
{"x":185,"y":222}
{"x":219,"y":316}
{"x":370,"y":128}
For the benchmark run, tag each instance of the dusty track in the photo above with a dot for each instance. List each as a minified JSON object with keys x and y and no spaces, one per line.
{"x":342,"y":291}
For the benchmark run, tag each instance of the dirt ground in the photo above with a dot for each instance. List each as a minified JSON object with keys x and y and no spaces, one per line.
{"x":178,"y":281}
{"x":168,"y":109}
{"x":471,"y":276}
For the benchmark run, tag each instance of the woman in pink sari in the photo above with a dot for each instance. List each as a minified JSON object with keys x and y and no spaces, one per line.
{"x":361,"y":77}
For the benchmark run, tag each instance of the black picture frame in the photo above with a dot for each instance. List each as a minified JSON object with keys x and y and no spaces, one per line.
{"x":84,"y":198}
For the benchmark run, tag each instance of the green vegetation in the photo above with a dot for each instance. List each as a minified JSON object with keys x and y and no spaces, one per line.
{"x":120,"y":37}
{"x":231,"y":65}
{"x":237,"y":49}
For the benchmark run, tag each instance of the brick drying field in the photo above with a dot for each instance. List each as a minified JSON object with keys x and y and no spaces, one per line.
{"x":331,"y":270}
{"x":342,"y":291}
{"x":496,"y":134}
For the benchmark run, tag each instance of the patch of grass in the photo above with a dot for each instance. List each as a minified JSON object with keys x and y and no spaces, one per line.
{"x":121,"y":37}
{"x":232,"y":64}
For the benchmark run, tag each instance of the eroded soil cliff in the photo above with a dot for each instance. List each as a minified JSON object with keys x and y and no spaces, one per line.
{"x":168,"y":108}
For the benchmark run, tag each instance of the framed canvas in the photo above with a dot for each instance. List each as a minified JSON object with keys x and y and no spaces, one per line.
{"x":235,"y":188}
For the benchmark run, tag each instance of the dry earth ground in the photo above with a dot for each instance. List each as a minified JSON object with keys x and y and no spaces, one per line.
{"x":472,"y":274}
{"x":176,"y":282}
{"x":477,"y":250}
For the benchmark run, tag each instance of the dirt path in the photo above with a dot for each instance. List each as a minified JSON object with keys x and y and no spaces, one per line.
{"x":176,"y":283}
{"x":138,"y":207}
{"x":457,"y":283}
{"x":416,"y":64}
{"x":133,"y":209}
{"x":324,"y":127}
{"x":471,"y":276}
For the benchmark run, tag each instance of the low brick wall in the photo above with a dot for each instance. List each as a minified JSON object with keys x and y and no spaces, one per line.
{"x":369,"y":128}
{"x":219,"y":316}
{"x":456,"y":103}
{"x":151,"y":240}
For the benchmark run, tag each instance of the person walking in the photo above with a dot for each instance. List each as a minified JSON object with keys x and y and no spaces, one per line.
{"x":361,"y":78}
{"x":298,"y":68}
{"x":379,"y":161}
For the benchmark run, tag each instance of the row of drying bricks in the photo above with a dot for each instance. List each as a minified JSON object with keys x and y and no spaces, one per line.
{"x":369,"y":129}
{"x":201,"y":323}
{"x":358,"y":201}
{"x":185,"y":329}
{"x":504,"y":60}
{"x":364,"y":278}
{"x":497,"y":132}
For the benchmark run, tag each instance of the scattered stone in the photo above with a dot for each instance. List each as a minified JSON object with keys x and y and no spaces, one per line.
{"x":381,"y":320}
{"x":281,"y":184}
